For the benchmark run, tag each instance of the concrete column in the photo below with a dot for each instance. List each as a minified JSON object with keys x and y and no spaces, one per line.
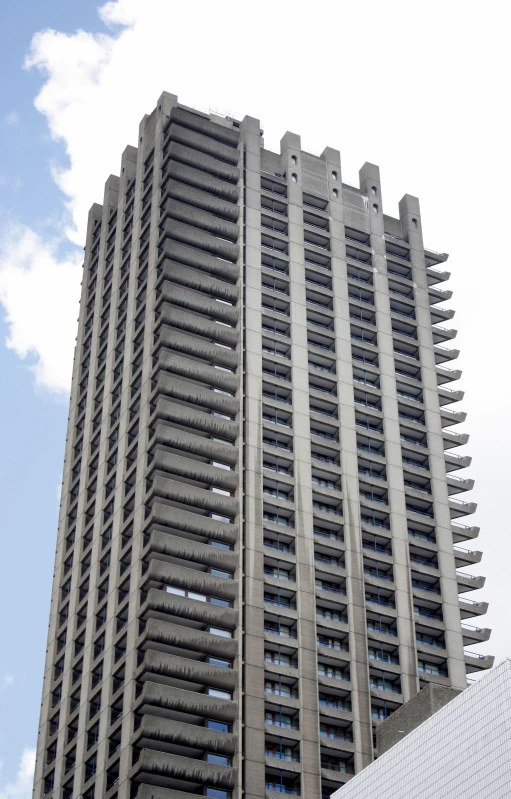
{"x":361,"y":695}
{"x":253,"y":700}
{"x":409,"y":212}
{"x":306,"y":603}
{"x":371,"y":186}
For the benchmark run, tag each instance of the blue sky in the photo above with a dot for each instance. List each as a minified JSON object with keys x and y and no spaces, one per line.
{"x":419,"y":90}
{"x":32,"y":419}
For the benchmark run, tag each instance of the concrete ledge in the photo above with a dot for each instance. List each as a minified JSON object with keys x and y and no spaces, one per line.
{"x":178,"y":575}
{"x":193,"y":671}
{"x":168,"y":731}
{"x":180,"y":389}
{"x":167,"y":634}
{"x":167,"y":697}
{"x":161,"y":603}
{"x":166,"y":766}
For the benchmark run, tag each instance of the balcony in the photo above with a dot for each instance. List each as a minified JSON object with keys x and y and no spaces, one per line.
{"x":438,"y":295}
{"x":463,"y":532}
{"x":469,"y":582}
{"x":443,"y":334}
{"x":448,"y":395}
{"x":454,"y":462}
{"x":401,"y":250}
{"x":459,"y":508}
{"x":444,"y":354}
{"x":476,"y":662}
{"x":474,"y":635}
{"x":449,"y":417}
{"x":168,"y":770}
{"x":470,"y":608}
{"x":466,"y":557}
{"x":440,"y":314}
{"x":456,"y":485}
{"x":446,"y":375}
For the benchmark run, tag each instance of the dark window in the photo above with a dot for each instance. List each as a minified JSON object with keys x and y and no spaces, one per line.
{"x":95,"y":704}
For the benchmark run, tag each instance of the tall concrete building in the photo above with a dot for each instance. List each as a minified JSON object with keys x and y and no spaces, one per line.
{"x":259,"y":543}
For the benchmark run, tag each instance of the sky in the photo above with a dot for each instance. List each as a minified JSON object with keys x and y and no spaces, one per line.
{"x":421,"y":89}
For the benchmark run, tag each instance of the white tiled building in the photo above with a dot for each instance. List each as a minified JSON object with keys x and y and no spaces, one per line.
{"x":462,"y":752}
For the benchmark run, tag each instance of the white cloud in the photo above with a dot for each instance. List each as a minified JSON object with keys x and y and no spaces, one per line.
{"x":39,"y":292}
{"x":21,"y":788}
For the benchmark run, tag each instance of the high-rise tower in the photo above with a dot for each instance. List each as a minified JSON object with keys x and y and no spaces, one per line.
{"x":258,"y":545}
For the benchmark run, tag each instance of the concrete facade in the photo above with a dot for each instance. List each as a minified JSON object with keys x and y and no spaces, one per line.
{"x":462,"y":752}
{"x":257,"y":558}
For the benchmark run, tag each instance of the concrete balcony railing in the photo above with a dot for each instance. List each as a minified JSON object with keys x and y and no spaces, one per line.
{"x":173,"y":276}
{"x":476,"y":662}
{"x":170,"y":546}
{"x":166,"y":701}
{"x":441,"y":334}
{"x":446,"y":375}
{"x":162,"y":572}
{"x":163,"y":514}
{"x":215,"y":451}
{"x":466,"y":557}
{"x":474,"y":635}
{"x":163,"y":634}
{"x":168,"y":769}
{"x":160,"y":604}
{"x":196,"y":673}
{"x":450,"y":417}
{"x":454,"y":462}
{"x":213,"y":223}
{"x":440,"y":314}
{"x":470,"y":608}
{"x":469,"y":582}
{"x":448,"y":395}
{"x":463,"y":532}
{"x":458,"y":508}
{"x":456,"y":485}
{"x":202,"y":397}
{"x":443,"y":354}
{"x":161,"y":732}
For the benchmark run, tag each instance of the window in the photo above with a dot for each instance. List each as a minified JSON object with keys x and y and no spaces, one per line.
{"x":54,"y":723}
{"x":224,"y":603}
{"x":220,"y":662}
{"x":294,"y":177}
{"x":58,"y":669}
{"x":56,"y":696}
{"x":217,"y":793}
{"x":335,"y":193}
{"x":219,"y":694}
{"x":294,"y":159}
{"x":97,"y":675}
{"x":414,"y":223}
{"x":220,"y":631}
{"x":334,"y":175}
{"x":219,"y":760}
{"x":49,"y":781}
{"x":374,"y":190}
{"x":94,"y":704}
{"x":220,"y":573}
{"x":90,"y":767}
{"x":219,"y":726}
{"x":93,"y":735}
{"x":375,"y":208}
